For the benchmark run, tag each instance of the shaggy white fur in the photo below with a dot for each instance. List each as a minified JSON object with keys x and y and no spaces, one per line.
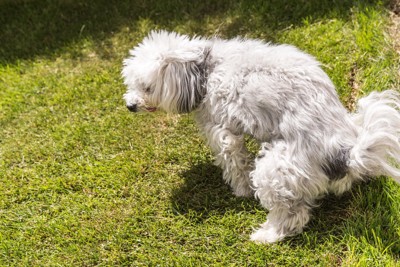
{"x":310,"y":144}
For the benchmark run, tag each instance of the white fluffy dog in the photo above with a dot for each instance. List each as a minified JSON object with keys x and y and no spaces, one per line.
{"x":310,"y":144}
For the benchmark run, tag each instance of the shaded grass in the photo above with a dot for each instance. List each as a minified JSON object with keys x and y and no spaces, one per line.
{"x":49,"y":27}
{"x":83,"y":182}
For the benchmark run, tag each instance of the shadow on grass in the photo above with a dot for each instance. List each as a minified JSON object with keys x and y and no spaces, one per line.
{"x":205,"y":193}
{"x":365,"y":213}
{"x":39,"y":27}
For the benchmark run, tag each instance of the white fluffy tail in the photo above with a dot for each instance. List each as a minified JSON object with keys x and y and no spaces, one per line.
{"x":377,"y":150}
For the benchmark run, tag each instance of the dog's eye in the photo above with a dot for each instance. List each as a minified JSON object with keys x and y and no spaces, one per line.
{"x":147,"y":89}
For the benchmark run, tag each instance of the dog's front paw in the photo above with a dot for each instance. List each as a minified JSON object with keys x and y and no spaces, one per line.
{"x":243,"y":192}
{"x":266,"y":236}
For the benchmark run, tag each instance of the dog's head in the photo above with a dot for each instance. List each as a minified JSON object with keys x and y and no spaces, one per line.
{"x":166,"y":71}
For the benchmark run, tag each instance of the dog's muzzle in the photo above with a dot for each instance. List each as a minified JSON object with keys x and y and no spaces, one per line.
{"x":132,"y":108}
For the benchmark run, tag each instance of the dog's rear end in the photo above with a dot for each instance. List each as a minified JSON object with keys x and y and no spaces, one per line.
{"x":289,"y":193}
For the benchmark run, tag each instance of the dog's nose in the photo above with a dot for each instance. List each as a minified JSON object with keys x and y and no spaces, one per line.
{"x":132,"y":108}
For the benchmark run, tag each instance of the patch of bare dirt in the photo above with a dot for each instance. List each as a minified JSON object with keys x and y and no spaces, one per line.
{"x":394,"y":29}
{"x":355,"y":89}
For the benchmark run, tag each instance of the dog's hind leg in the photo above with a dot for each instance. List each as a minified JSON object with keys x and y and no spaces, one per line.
{"x":284,"y":190}
{"x":232,"y":156}
{"x":283,"y":220}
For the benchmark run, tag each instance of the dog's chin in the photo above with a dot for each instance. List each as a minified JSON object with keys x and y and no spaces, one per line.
{"x":150,"y":109}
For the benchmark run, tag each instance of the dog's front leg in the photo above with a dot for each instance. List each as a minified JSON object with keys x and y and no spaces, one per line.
{"x":232,"y":156}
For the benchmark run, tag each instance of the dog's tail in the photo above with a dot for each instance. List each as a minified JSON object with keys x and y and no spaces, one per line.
{"x":377,"y":149}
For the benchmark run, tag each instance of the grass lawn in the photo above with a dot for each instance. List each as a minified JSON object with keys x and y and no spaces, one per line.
{"x":83,"y":182}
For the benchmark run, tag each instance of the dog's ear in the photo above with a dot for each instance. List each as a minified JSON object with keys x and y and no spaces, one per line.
{"x":182,"y":80}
